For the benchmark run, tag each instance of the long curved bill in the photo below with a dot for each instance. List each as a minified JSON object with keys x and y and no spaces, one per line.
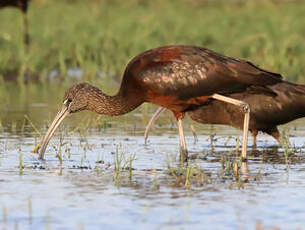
{"x":56,"y":122}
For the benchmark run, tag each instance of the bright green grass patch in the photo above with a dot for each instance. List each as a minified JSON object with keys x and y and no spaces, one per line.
{"x":102,"y":36}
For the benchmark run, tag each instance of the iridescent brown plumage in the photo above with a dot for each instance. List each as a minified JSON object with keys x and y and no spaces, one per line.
{"x":23,"y":6}
{"x":179,"y":78}
{"x":281,"y":103}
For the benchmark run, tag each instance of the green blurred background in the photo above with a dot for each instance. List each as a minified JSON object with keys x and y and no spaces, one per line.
{"x":101,"y":36}
{"x":93,"y":40}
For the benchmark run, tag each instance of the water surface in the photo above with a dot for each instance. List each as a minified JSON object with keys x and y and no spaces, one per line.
{"x":86,"y":191}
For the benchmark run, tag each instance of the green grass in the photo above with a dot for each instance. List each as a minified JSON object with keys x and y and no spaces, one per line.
{"x":20,"y":163}
{"x":103,"y":35}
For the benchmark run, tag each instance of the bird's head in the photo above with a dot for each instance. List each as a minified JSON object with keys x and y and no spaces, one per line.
{"x":76,"y":99}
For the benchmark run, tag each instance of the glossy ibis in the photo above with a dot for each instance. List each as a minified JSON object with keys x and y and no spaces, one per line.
{"x":179,"y":78}
{"x":282,"y":103}
{"x":23,"y":6}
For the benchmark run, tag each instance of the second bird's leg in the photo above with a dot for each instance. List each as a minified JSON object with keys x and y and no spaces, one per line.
{"x":254,"y":135}
{"x":152,"y":121}
{"x":276,"y":135}
{"x":246,"y":110}
{"x":183,"y":150}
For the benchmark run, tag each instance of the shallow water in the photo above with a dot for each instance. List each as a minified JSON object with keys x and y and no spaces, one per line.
{"x":84,"y":193}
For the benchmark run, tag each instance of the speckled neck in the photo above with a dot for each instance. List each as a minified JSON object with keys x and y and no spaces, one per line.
{"x":112,"y":105}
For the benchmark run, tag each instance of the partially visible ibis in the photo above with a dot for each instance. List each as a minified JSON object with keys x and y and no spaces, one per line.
{"x":23,"y":6}
{"x":280,"y":104}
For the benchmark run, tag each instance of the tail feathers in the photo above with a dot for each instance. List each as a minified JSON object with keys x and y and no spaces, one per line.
{"x":288,"y":87}
{"x":272,"y":74}
{"x":250,"y":74}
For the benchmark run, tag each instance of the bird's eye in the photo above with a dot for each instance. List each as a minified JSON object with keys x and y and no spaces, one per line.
{"x":67,"y":101}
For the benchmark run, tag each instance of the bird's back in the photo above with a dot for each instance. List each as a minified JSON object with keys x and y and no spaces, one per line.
{"x":187,"y":75}
{"x":284,"y":102}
